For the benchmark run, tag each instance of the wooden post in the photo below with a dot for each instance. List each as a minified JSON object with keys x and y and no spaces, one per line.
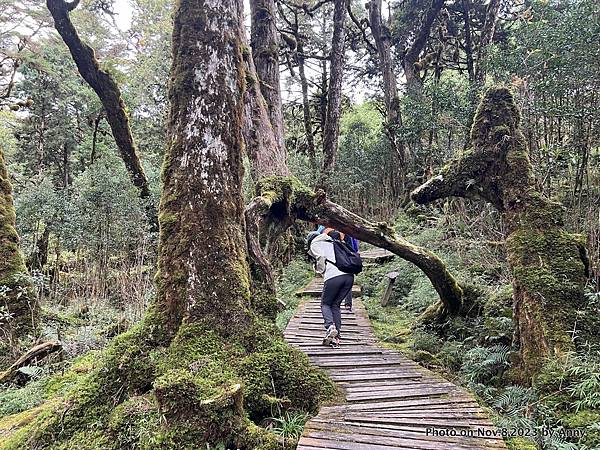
{"x":388,"y":290}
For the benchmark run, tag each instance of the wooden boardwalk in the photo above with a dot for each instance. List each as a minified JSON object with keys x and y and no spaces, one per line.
{"x":377,"y":255}
{"x":391,"y":402}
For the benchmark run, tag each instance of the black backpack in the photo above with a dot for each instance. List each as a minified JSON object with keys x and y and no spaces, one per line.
{"x":346,"y":259}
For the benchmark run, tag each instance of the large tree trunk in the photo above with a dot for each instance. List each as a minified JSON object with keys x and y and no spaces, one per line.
{"x":334,"y":97}
{"x":17,"y":299}
{"x":105,"y":87}
{"x":265,"y":49}
{"x":548,"y":264}
{"x":202,"y":364}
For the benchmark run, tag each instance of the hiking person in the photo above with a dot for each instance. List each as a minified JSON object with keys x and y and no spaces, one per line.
{"x":338,"y":264}
{"x":353,"y":243}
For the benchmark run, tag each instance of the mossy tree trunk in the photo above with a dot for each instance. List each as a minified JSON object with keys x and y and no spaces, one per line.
{"x":267,"y":156}
{"x":548,"y":264}
{"x":105,"y":87}
{"x":410,"y":62}
{"x":202,"y":368}
{"x":20,"y":309}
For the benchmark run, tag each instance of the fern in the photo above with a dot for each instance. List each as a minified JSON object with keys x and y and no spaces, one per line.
{"x":482,"y":363}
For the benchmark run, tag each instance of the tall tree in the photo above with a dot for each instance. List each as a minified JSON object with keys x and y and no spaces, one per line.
{"x":265,"y":50}
{"x":334,"y":96}
{"x":382,"y":37}
{"x":102,"y":82}
{"x":201,"y":361}
{"x":548,"y":264}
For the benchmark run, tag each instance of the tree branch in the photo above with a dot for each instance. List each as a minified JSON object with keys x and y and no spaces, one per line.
{"x":105,"y":87}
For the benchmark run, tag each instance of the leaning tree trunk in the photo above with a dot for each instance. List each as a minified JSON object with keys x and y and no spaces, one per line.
{"x":16,"y":294}
{"x":287,"y":200}
{"x":411,"y":62}
{"x":202,"y":369}
{"x":334,"y":96}
{"x":265,"y":49}
{"x":105,"y":87}
{"x":548,"y":264}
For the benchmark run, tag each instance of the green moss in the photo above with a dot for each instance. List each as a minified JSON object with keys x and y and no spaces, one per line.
{"x":17,"y":292}
{"x":586,"y":422}
{"x":520,"y":444}
{"x":498,"y":316}
{"x":285,"y":374}
{"x":547,"y":265}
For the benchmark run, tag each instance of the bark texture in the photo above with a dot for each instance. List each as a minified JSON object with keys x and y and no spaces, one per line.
{"x":105,"y":87}
{"x":267,"y":157}
{"x":331,"y":130}
{"x":265,"y":50}
{"x":201,"y":200}
{"x":548,"y":264}
{"x":16,"y":297}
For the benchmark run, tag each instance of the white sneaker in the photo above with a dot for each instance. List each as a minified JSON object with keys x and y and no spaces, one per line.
{"x":330,"y":335}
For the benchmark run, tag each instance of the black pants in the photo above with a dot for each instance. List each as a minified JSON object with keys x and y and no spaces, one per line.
{"x":335,"y":291}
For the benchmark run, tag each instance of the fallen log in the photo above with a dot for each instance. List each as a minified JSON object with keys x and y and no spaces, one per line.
{"x":38,"y":352}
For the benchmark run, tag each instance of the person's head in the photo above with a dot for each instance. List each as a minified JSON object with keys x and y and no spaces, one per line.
{"x":310,"y":237}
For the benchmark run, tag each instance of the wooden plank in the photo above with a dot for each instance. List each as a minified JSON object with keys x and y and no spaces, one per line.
{"x":417,"y":434}
{"x":331,"y":444}
{"x":421,"y":443}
